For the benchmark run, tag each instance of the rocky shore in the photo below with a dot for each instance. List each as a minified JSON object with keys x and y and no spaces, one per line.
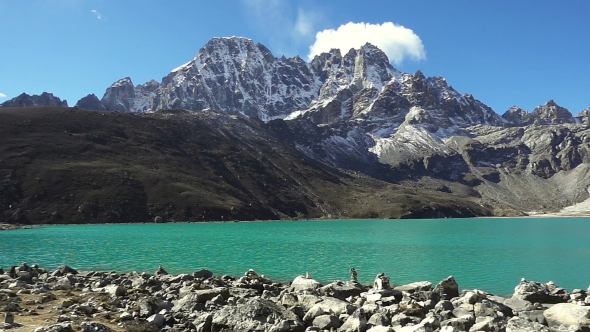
{"x":36,"y":299}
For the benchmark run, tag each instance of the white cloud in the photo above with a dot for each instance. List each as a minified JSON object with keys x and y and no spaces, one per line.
{"x":305,"y":22}
{"x":395,"y":40}
{"x":2,"y":95}
{"x":98,"y":15}
{"x":287,"y":26}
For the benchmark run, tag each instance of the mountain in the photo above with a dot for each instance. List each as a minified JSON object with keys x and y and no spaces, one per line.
{"x":24,"y":100}
{"x":65,"y":165}
{"x":351,"y":114}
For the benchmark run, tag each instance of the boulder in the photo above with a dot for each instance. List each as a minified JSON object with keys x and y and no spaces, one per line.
{"x":379,"y":319}
{"x":337,"y":306}
{"x":157,"y":319}
{"x":301,"y":284}
{"x":61,"y":327}
{"x":415,"y":286}
{"x":447,"y":288}
{"x":568,"y":315}
{"x":463,"y":323}
{"x":357,"y":322}
{"x":342,"y":290}
{"x":95,"y":327}
{"x":315,"y":311}
{"x":416,"y":328}
{"x":254,"y":315}
{"x":204,"y":274}
{"x":203,"y":322}
{"x":115,"y":290}
{"x":518,"y":324}
{"x":65,"y":269}
{"x":539,"y":292}
{"x":380,"y":328}
{"x":326,"y":322}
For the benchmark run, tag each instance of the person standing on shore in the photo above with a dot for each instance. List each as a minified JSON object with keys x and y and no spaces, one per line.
{"x":353,"y":275}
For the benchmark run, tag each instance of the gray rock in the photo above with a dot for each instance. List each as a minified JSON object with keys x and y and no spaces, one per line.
{"x":415,"y":286}
{"x":519,"y":324}
{"x":342,"y":290}
{"x":379,"y":328}
{"x":205,"y":274}
{"x":61,"y":327}
{"x":416,"y":328}
{"x":379,"y":319}
{"x":326,"y":322}
{"x":203,"y":322}
{"x":115,"y":290}
{"x":301,"y":284}
{"x":447,"y":288}
{"x":538,"y":292}
{"x":357,"y":322}
{"x":254,"y":315}
{"x":95,"y":327}
{"x":315,"y":311}
{"x":157,"y":319}
{"x":569,"y":315}
{"x":8,"y":318}
{"x":533,"y":316}
{"x":518,"y":304}
{"x":463,"y":323}
{"x":487,"y":324}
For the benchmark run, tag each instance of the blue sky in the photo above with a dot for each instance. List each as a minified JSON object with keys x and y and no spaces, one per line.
{"x":503,"y":52}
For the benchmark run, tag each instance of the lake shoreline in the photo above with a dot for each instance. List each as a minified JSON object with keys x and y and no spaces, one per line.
{"x":67,"y":299}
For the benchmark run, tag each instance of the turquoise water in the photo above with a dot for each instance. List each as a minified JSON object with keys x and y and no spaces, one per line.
{"x":490,"y":254}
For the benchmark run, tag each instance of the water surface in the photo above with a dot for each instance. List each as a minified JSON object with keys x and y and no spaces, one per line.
{"x":486,"y":253}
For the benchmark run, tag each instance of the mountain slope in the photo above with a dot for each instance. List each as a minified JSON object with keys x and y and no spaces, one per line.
{"x":62,"y":165}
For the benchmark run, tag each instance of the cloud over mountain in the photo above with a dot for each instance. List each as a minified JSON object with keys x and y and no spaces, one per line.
{"x":398,"y":42}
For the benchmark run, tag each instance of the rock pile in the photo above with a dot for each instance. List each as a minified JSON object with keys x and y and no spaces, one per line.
{"x":201,"y":301}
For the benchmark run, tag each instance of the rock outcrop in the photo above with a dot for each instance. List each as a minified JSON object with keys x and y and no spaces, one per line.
{"x":25,"y":100}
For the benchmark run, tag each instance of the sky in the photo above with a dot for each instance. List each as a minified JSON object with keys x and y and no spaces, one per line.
{"x":503,"y":52}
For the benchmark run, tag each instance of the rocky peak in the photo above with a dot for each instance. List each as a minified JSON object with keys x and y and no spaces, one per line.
{"x":119,"y":96}
{"x":91,"y":102}
{"x":551,"y":113}
{"x":44,"y":99}
{"x":517,"y":116}
{"x":584,"y":116}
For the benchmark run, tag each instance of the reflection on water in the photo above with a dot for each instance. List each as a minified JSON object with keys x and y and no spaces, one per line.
{"x":490,"y":254}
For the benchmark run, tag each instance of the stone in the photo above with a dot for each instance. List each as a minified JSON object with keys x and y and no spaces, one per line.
{"x":379,"y":319}
{"x":95,"y":327}
{"x":61,"y":327}
{"x":115,"y":290}
{"x":542,"y":293}
{"x":204,"y":274}
{"x":519,"y":324}
{"x":379,"y":328}
{"x":416,"y":328}
{"x":160,"y":271}
{"x":303,"y":285}
{"x":357,"y":322}
{"x":8,"y":318}
{"x":569,"y":315}
{"x":342,"y":290}
{"x":65,"y":269}
{"x":157,"y":319}
{"x":254,"y":315}
{"x":447,"y":288}
{"x":315,"y":311}
{"x":326,"y":322}
{"x":415,"y":286}
{"x":203,"y":322}
{"x":463,"y":323}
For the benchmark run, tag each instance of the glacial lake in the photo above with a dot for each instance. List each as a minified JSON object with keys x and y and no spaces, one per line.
{"x":491,"y":254}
